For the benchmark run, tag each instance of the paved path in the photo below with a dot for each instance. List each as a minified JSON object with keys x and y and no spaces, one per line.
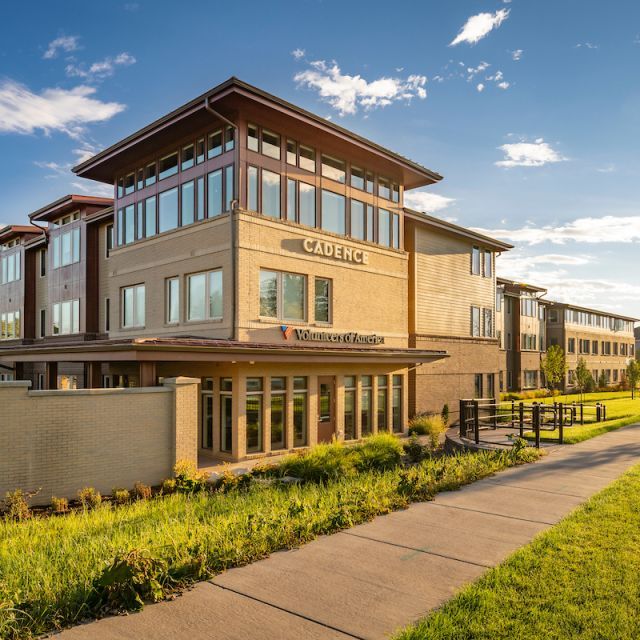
{"x":375,"y":578}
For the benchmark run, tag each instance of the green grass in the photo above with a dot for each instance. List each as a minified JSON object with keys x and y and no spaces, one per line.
{"x":580,"y":579}
{"x":49,"y":566}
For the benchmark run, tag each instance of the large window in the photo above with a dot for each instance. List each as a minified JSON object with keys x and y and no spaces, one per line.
{"x":488,"y":264}
{"x":349,"y":407}
{"x":475,"y":261}
{"x":270,"y":194}
{"x":10,"y":271}
{"x":66,"y":246}
{"x":9,"y":325}
{"x":282,"y":295}
{"x":366,"y":402}
{"x":487,"y":324}
{"x":475,"y":321}
{"x":333,"y":212}
{"x":150,"y":228}
{"x":226,"y":415}
{"x":173,"y":301}
{"x":204,"y":296}
{"x":301,"y":203}
{"x":278,"y":412}
{"x":188,"y":202}
{"x":382,"y":403}
{"x":271,"y":144}
{"x":384,"y":227}
{"x":254,"y":414}
{"x":300,"y":412}
{"x":133,"y":306}
{"x":215,"y":193}
{"x":168,"y":166}
{"x":323,"y":300}
{"x":333,"y":168}
{"x":358,"y":219}
{"x":65,"y":317}
{"x":168,"y":210}
{"x":396,"y":403}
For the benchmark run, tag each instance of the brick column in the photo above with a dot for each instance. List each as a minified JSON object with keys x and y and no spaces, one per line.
{"x":186,"y":393}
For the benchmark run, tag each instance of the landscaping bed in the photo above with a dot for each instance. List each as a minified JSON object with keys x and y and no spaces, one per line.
{"x":55,"y":572}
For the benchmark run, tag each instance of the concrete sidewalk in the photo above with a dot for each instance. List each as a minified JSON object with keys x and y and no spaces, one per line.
{"x":369,"y":581}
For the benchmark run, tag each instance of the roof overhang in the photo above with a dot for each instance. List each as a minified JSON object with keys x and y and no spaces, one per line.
{"x":17,"y":231}
{"x":600,"y":312}
{"x":67,"y":204}
{"x":520,"y":285}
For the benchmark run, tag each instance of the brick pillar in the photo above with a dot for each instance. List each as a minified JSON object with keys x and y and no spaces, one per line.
{"x":186,"y":392}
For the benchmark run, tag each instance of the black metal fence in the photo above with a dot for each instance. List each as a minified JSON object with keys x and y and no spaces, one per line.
{"x":489,"y":414}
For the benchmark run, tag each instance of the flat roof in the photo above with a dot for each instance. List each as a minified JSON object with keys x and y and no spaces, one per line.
{"x":66,"y":203}
{"x":568,"y":305}
{"x":455,"y":229}
{"x":94,"y":167}
{"x":13,"y":230}
{"x":189,"y":349}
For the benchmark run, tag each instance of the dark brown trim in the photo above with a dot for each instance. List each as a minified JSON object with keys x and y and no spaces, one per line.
{"x":66,"y":203}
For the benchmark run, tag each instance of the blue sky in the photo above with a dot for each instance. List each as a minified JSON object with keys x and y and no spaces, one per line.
{"x":530,"y":110}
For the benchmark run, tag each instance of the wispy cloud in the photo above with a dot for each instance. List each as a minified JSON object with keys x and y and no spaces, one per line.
{"x":607,"y":229}
{"x":610,"y":168}
{"x":517,"y":54}
{"x":93,"y":188}
{"x":472,"y":72}
{"x":298,"y":53}
{"x":480,"y":87}
{"x":63,"y":43}
{"x":479,"y":26}
{"x":587,"y":45}
{"x":347,"y":93}
{"x":426,"y":201}
{"x":528,"y":154}
{"x":23,"y":111}
{"x":100,"y":69}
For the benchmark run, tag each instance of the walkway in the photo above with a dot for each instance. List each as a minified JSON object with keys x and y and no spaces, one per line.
{"x":368,"y":581}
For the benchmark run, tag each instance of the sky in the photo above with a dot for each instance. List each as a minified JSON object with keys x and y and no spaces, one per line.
{"x":529,"y":109}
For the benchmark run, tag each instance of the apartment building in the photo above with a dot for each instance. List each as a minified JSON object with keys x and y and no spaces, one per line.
{"x":606,"y":341}
{"x":452,"y":308}
{"x":521,"y":318}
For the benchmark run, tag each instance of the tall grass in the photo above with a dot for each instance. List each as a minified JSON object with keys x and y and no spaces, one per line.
{"x":49,"y":567}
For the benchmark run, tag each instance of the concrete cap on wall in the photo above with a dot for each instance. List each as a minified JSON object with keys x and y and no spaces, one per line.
{"x":181,"y":380}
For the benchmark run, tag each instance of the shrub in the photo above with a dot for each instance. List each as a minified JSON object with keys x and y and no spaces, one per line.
{"x":319,"y":464}
{"x":121,"y":496}
{"x":15,"y":505}
{"x":188,"y":478}
{"x":168,"y":486}
{"x":425,"y":425}
{"x":414,"y":451}
{"x":133,"y":578}
{"x":89,"y":498}
{"x":382,"y":451}
{"x":59,"y":505}
{"x":228,"y":480}
{"x":445,"y":414}
{"x":142,"y":491}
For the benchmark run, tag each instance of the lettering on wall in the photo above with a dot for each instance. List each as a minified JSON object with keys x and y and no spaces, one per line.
{"x":349,"y":337}
{"x":334,"y":250}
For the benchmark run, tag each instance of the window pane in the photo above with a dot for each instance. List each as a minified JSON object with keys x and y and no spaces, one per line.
{"x":293,"y":289}
{"x":475,"y":261}
{"x":395,"y":193}
{"x":384,"y":188}
{"x":292,"y":201}
{"x":168,"y":213}
{"x":129,"y":224}
{"x":370,"y":228}
{"x":66,"y":253}
{"x":75,"y":242}
{"x":229,"y":138}
{"x":188,"y":157}
{"x":357,"y":219}
{"x":215,"y":294}
{"x":139,"y":304}
{"x":56,"y":250}
{"x":333,"y":212}
{"x":299,"y":419}
{"x":396,"y":409}
{"x":150,"y":216}
{"x":129,"y":183}
{"x":196,"y":301}
{"x":200,"y":151}
{"x":215,"y":144}
{"x":269,"y":294}
{"x":384,"y":220}
{"x":252,"y":137}
{"x":66,"y":318}
{"x":252,"y":189}
{"x":271,"y":144}
{"x":307,"y":158}
{"x":488,"y":264}
{"x":140,"y":219}
{"x":365,"y":411}
{"x":307,"y":204}
{"x":349,"y":414}
{"x":215,"y":193}
{"x":173,"y":304}
{"x":127,"y":313}
{"x":369,"y":182}
{"x":254,"y":422}
{"x":292,"y":155}
{"x":150,"y":175}
{"x":323,"y":293}
{"x":200,"y":202}
{"x":188,"y":202}
{"x":382,"y":409}
{"x":270,"y":194}
{"x":278,"y":407}
{"x":229,"y":187}
{"x":226,"y":420}
{"x":357,"y":178}
{"x":168,"y":166}
{"x":333,"y":168}
{"x":395,"y":240}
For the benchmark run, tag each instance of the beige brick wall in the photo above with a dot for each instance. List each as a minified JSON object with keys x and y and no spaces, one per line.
{"x":61,"y":441}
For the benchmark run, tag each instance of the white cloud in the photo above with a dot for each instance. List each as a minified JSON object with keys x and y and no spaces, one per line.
{"x":610,"y":168}
{"x":93,"y":188}
{"x":528,"y":154}
{"x":587,"y":45}
{"x":503,"y":85}
{"x":480,"y":87}
{"x":617,"y":229}
{"x":63,"y":43}
{"x":517,"y":54}
{"x":473,"y":71}
{"x":347,"y":93}
{"x":100,"y":69}
{"x":298,"y":53}
{"x":65,"y":110}
{"x":427,"y":201}
{"x":479,"y":26}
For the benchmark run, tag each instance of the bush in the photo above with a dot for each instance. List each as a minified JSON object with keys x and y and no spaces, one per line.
{"x":168,"y":486}
{"x":319,"y":464}
{"x":15,"y":505}
{"x":89,"y":498}
{"x":425,"y":425}
{"x":533,"y":394}
{"x":121,"y":496}
{"x":445,"y":414}
{"x":188,"y":478}
{"x":414,"y":451}
{"x":142,"y":491}
{"x":382,"y":452}
{"x":59,"y":505}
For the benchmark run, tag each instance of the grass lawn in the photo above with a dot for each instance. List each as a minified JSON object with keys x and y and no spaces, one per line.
{"x":50,"y":568}
{"x":580,"y":579}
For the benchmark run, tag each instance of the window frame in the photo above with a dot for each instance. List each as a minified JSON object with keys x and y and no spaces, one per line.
{"x":134,"y":288}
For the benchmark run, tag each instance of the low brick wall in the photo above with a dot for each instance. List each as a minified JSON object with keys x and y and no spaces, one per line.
{"x":61,"y":441}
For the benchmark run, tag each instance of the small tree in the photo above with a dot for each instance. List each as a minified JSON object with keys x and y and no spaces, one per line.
{"x":633,"y":376}
{"x":602,"y":381}
{"x":554,"y":366}
{"x":583,"y":376}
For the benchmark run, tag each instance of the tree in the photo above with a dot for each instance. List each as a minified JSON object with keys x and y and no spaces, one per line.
{"x":554,"y":366}
{"x":633,"y":376}
{"x":602,"y":381}
{"x":583,"y":377}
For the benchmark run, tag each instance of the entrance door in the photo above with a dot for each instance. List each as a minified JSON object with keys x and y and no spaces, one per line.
{"x":326,"y":408}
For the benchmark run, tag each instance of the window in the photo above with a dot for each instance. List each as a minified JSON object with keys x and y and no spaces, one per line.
{"x":323,"y":300}
{"x":150,"y":216}
{"x":214,"y":147}
{"x":366,"y":399}
{"x":11,"y":267}
{"x":382,"y":403}
{"x":369,"y":182}
{"x":133,"y":303}
{"x":43,"y":254}
{"x":226,"y":415}
{"x":270,"y":194}
{"x":292,"y":200}
{"x":300,"y":411}
{"x":188,"y":157}
{"x":229,"y":188}
{"x":357,"y":178}
{"x":229,"y":138}
{"x":358,"y":222}
{"x":173,"y":301}
{"x":140,"y":220}
{"x":205,"y":296}
{"x":206,"y":402}
{"x":499,"y":296}
{"x":252,"y":137}
{"x":530,"y":379}
{"x":488,"y":264}
{"x":107,"y":311}
{"x":66,"y":317}
{"x":150,"y":174}
{"x":43,"y":322}
{"x":571,"y":346}
{"x":395,"y":193}
{"x":129,"y":183}
{"x":333,"y":168}
{"x":252,"y":188}
{"x":370,"y":228}
{"x":395,"y":231}
{"x":200,"y":198}
{"x":475,"y":321}
{"x":66,"y":246}
{"x":384,"y":222}
{"x":477,"y":386}
{"x":349,"y":407}
{"x":270,"y":144}
{"x":168,"y":210}
{"x":200,"y":151}
{"x":307,"y":158}
{"x":487,"y":324}
{"x":282,"y":295}
{"x":188,"y":202}
{"x":475,"y":261}
{"x":333,"y":212}
{"x":214,"y":180}
{"x":10,"y":325}
{"x":396,"y":403}
{"x":384,"y":188}
{"x":278,"y":412}
{"x":254,"y":414}
{"x":168,"y":166}
{"x":292,"y":152}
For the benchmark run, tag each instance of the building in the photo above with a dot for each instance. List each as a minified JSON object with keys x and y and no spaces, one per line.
{"x":521,"y":318}
{"x":605,"y":340}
